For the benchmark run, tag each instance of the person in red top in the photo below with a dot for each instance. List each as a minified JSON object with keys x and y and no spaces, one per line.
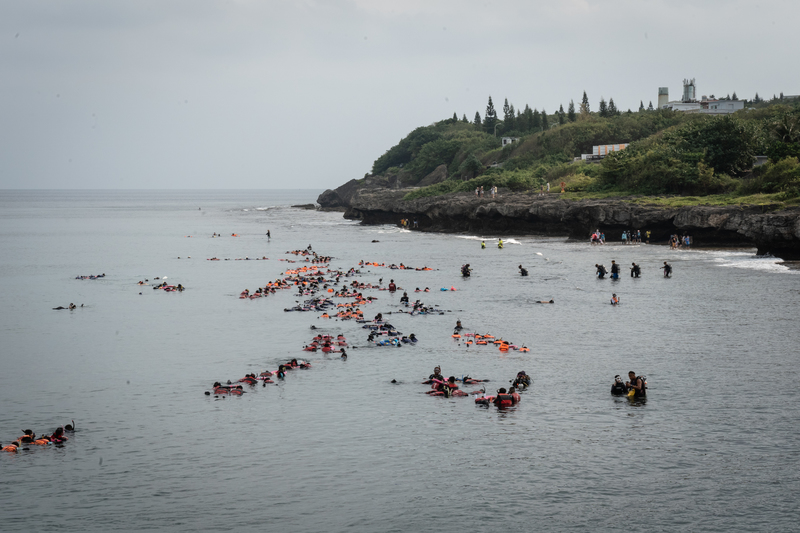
{"x":392,"y":286}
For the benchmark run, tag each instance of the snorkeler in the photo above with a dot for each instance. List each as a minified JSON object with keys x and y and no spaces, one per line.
{"x":618,"y":388}
{"x":614,"y":299}
{"x":522,"y":271}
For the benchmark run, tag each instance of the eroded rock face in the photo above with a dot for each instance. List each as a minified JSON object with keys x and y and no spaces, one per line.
{"x":776,"y":232}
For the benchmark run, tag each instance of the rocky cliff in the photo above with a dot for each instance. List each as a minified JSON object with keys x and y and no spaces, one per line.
{"x":773,"y":232}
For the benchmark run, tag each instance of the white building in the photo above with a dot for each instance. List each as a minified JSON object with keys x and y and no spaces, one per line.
{"x":509,"y":140}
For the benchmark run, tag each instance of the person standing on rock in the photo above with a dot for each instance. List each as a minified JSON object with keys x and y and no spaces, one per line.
{"x":548,"y":186}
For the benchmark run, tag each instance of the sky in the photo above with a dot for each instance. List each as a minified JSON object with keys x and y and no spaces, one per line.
{"x":263,"y":94}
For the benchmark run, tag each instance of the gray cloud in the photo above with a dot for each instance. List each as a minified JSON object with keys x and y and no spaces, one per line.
{"x":252,"y":94}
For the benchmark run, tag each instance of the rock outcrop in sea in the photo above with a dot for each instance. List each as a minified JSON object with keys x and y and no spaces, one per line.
{"x":771,"y":231}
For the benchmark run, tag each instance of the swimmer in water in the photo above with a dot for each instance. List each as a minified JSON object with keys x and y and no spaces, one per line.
{"x":522,"y":271}
{"x":618,"y":388}
{"x":635,"y":270}
{"x":601,"y":271}
{"x":546,"y":302}
{"x":483,"y":245}
{"x":614,"y":299}
{"x":458,"y":325}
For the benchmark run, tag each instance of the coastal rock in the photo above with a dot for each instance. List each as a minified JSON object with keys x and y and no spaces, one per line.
{"x":771,"y":232}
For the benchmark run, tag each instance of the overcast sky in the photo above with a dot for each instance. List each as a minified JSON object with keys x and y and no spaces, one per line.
{"x":307,"y":94}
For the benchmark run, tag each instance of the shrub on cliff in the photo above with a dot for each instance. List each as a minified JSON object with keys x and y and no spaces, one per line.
{"x":782,"y":177}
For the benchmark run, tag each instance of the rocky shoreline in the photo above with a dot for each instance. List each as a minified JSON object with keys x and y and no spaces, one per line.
{"x":770,"y":231}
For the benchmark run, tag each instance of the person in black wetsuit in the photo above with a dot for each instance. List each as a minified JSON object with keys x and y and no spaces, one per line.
{"x":522,"y":271}
{"x":618,"y":388}
{"x":404,"y":298}
{"x":601,"y":271}
{"x":614,"y":270}
{"x":635,"y":270}
{"x":637,"y":384}
{"x":667,"y":269}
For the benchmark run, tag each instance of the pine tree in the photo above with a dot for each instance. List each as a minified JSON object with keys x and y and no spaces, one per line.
{"x":527,"y":122}
{"x":734,"y":97}
{"x":545,"y":124}
{"x":650,"y":107}
{"x":612,"y":108}
{"x":756,"y":99}
{"x":562,"y":117}
{"x":477,"y":120}
{"x":781,"y":95}
{"x":511,"y":119}
{"x":464,"y":119}
{"x":585,"y":105}
{"x":506,"y":110}
{"x":603,"y":110}
{"x":455,"y":117}
{"x":536,"y":122}
{"x":490,"y":117}
{"x":641,"y":106}
{"x":571,"y":111}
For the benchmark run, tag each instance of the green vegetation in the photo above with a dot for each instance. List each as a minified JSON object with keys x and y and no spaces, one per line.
{"x":669,"y":153}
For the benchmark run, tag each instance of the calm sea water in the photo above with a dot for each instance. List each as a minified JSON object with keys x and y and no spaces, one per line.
{"x":338,"y":447}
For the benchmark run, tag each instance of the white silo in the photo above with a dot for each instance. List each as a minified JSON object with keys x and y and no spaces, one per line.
{"x":663,"y":96}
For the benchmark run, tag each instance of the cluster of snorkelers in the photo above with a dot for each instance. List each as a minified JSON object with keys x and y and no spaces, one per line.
{"x":237,"y":389}
{"x":99,"y":276}
{"x":392,"y":266}
{"x":449,"y":387}
{"x":169,"y":288}
{"x":635,"y":387}
{"x":29,"y":437}
{"x":327,"y":344}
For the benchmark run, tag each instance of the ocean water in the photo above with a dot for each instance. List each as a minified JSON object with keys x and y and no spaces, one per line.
{"x":339,"y":447}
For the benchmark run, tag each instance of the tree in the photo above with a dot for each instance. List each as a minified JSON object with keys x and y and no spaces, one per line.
{"x":585,"y":106}
{"x":545,"y":125}
{"x":641,"y":106}
{"x":756,"y":99}
{"x":490,"y":117}
{"x":571,"y":111}
{"x":612,"y":108}
{"x":510,"y":121}
{"x":734,"y":97}
{"x":536,"y":122}
{"x":455,"y":117}
{"x":527,"y":122}
{"x":781,"y":95}
{"x":477,"y":120}
{"x":464,"y":119}
{"x":650,"y":107}
{"x":603,"y":110}
{"x":562,"y":117}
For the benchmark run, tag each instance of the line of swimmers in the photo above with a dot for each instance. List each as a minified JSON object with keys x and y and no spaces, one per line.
{"x":71,"y":307}
{"x":98,"y":276}
{"x":169,"y":288}
{"x":484,"y":340}
{"x":401,"y":266}
{"x":327,"y":344}
{"x":234,"y":389}
{"x":29,"y":437}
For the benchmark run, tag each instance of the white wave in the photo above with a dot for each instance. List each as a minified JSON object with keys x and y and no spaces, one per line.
{"x":764,"y":264}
